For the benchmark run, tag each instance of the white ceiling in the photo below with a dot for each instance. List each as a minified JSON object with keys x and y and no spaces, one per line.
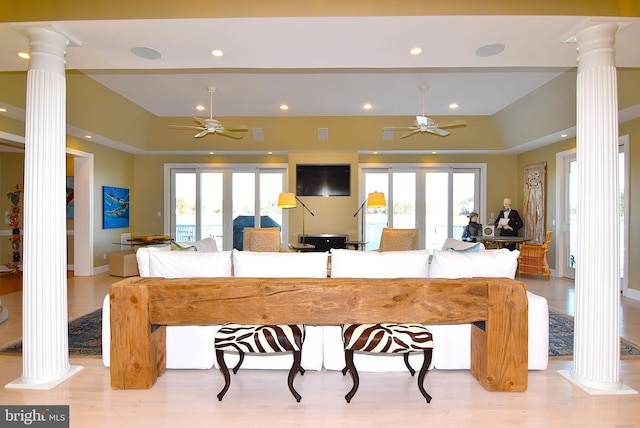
{"x":323,"y":66}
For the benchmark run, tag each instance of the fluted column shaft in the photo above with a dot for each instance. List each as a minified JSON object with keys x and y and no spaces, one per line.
{"x":45,"y":348}
{"x":597,"y":291}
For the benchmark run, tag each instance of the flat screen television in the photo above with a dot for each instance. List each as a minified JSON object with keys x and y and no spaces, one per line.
{"x":323,"y":180}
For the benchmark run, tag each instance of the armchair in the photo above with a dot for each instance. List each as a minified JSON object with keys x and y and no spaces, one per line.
{"x":533,"y":258}
{"x":398,"y":239}
{"x":262,"y":239}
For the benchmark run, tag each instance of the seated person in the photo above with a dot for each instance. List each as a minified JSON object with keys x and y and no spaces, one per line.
{"x":509,"y":222}
{"x":473,"y":229}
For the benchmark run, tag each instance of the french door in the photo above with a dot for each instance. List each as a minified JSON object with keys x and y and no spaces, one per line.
{"x":567,"y":203}
{"x":436,"y":201}
{"x":220,"y":202}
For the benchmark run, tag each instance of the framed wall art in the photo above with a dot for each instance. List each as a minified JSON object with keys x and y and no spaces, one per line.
{"x":115,"y":207}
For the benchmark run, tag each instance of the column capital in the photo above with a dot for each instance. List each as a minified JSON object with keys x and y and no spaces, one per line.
{"x":47,"y":44}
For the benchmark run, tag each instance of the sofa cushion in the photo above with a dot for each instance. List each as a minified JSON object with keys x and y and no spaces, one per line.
{"x":279,"y":265}
{"x":372,"y":264}
{"x":181,"y":264}
{"x":375,"y":264}
{"x":283,"y":265}
{"x":142,"y":257}
{"x":490,"y":263}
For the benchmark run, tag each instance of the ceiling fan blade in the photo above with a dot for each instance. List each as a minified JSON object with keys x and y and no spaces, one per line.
{"x":225,"y":133}
{"x":438,"y":131}
{"x":199,"y":121}
{"x":201,"y":133}
{"x":242,"y":128}
{"x":410,"y":133}
{"x":452,"y":124}
{"x":186,"y":127}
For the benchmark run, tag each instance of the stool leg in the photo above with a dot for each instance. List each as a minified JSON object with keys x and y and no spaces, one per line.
{"x":406,"y":363}
{"x":348,"y":355}
{"x":292,"y":374}
{"x":240,"y":361}
{"x":428,"y":353}
{"x":225,"y":373}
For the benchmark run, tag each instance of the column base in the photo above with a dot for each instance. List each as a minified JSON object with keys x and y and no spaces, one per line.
{"x":622,"y":390}
{"x":45,"y":386}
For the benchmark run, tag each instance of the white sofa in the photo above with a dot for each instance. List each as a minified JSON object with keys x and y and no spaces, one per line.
{"x":192,"y":346}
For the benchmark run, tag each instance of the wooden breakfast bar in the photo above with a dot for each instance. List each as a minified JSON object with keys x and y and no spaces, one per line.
{"x":142,"y":307}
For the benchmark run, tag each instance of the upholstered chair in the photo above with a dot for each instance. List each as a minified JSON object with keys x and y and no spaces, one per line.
{"x":533,"y":258}
{"x":262,"y":239}
{"x":398,"y":239}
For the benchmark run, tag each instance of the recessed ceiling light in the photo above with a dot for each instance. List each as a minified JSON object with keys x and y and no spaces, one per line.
{"x":200,"y":107}
{"x":217,"y":53}
{"x":564,"y":135}
{"x":375,"y":153}
{"x":490,"y":50}
{"x":434,"y":153}
{"x":3,"y":110}
{"x":367,"y":106}
{"x":284,"y":107}
{"x":145,"y":52}
{"x":415,"y":51}
{"x":88,"y":137}
{"x":453,"y":106}
{"x":24,"y":55}
{"x":212,"y":153}
{"x":269,"y":153}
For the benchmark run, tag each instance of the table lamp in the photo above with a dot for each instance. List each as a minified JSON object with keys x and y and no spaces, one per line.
{"x":374,"y":200}
{"x":288,"y":200}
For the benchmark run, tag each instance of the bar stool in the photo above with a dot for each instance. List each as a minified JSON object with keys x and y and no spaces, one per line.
{"x":387,"y":338}
{"x":259,"y":339}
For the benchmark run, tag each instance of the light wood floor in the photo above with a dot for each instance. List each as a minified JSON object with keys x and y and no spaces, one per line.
{"x":261,"y":398}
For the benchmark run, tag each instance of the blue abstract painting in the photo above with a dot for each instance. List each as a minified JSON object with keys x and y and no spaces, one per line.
{"x":115,"y":207}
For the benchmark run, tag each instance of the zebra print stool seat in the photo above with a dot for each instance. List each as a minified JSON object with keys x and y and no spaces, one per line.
{"x":387,"y":339}
{"x":263,"y":339}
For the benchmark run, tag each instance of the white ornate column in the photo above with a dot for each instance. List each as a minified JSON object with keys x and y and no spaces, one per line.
{"x":45,"y":347}
{"x":597,"y":291}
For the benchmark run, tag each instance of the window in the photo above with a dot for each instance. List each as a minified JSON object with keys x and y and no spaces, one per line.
{"x":219,"y":202}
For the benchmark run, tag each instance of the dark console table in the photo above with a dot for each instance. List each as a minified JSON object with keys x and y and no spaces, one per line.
{"x":324,"y":241}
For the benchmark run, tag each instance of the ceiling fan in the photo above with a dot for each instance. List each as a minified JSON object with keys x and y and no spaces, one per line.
{"x":211,"y":125}
{"x":426,"y":124}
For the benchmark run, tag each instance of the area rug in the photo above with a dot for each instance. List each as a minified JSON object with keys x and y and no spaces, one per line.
{"x":561,"y":338}
{"x":85,"y":336}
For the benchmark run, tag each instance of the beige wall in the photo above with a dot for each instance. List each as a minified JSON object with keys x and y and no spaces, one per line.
{"x":111,"y":168}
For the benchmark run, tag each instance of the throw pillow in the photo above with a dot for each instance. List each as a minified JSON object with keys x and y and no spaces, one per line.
{"x":490,"y":263}
{"x":206,"y":245}
{"x":177,"y":247}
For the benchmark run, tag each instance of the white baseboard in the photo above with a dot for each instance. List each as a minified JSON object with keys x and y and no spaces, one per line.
{"x":100,"y":269}
{"x":631,"y":293}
